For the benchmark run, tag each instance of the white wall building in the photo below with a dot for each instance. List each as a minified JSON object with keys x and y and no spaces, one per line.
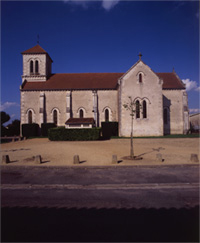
{"x":161,"y":98}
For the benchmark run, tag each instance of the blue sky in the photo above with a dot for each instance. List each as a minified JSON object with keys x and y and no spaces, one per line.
{"x":100,"y":36}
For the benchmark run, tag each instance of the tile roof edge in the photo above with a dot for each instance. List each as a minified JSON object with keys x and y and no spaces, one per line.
{"x":89,"y":89}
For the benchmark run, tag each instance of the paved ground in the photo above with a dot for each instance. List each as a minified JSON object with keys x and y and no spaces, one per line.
{"x":96,"y":201}
{"x":124,"y":187}
{"x":52,"y":204}
{"x":119,"y":187}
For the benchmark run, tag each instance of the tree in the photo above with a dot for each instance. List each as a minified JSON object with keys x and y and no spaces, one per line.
{"x":14,"y":128}
{"x":131,"y":106}
{"x":4,"y":117}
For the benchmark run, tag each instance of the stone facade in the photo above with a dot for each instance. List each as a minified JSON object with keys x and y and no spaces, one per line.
{"x":163,"y":109}
{"x":149,"y":89}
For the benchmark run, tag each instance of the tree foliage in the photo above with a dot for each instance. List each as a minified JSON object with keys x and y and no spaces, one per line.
{"x":4,"y":117}
{"x":14,"y":128}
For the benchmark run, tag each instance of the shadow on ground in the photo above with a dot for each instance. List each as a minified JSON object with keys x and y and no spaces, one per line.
{"x":121,"y":225}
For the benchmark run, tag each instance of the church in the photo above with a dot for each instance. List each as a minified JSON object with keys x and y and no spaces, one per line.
{"x":83,"y":100}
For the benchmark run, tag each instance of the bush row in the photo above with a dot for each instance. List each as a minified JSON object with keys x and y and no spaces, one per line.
{"x":109,"y":129}
{"x":66,"y":134}
{"x":45,"y":127}
{"x":30,"y":130}
{"x":33,"y":130}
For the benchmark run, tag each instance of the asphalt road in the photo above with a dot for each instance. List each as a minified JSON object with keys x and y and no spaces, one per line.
{"x":157,"y":203}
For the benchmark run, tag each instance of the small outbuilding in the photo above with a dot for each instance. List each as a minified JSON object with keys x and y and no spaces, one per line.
{"x":80,"y":123}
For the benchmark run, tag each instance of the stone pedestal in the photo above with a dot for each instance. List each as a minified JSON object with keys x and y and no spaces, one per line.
{"x":5,"y":159}
{"x":76,"y":159}
{"x":38,"y":159}
{"x":114,"y":159}
{"x":159,"y":158}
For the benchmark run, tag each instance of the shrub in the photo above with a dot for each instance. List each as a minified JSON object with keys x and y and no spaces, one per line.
{"x":14,"y":128}
{"x":109,"y":129}
{"x":45,"y":127}
{"x":30,"y":130}
{"x":66,"y":134}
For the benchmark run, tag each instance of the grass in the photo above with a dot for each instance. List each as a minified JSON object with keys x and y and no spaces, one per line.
{"x":166,"y":136}
{"x":195,"y":135}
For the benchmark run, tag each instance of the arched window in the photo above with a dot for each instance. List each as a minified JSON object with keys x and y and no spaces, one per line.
{"x":81,"y":113}
{"x":144,"y":109}
{"x":137,"y":109}
{"x":30,"y":117}
{"x":36,"y":67}
{"x":55,"y":117}
{"x":140,"y":78}
{"x":106,"y":115}
{"x":165,"y":116}
{"x":31,"y":66}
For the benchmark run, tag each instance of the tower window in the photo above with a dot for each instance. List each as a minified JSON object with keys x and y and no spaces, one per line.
{"x":31,"y":67}
{"x":140,"y":78}
{"x":55,"y":117}
{"x":106,"y":115}
{"x":81,"y":113}
{"x":36,"y":67}
{"x":144,"y":109}
{"x":137,"y":109}
{"x":30,"y":117}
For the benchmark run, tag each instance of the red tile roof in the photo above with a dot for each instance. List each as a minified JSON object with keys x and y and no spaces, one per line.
{"x":35,"y":50}
{"x":171,"y":81}
{"x":92,"y":81}
{"x":78,"y":121}
{"x":76,"y":81}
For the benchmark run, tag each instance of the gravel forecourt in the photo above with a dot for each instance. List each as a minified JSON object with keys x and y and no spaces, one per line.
{"x":99,"y":153}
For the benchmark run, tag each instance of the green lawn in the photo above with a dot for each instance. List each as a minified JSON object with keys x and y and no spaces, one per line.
{"x":166,"y":136}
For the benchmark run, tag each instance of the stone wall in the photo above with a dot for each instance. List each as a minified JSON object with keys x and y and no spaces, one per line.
{"x":174,"y":100}
{"x":150,"y":90}
{"x":32,"y":100}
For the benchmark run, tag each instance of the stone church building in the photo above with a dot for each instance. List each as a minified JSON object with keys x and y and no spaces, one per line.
{"x":87,"y":99}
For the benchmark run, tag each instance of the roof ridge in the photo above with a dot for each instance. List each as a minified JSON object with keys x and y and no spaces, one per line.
{"x":91,"y":73}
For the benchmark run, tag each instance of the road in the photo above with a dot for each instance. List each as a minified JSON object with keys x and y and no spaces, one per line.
{"x":101,"y":203}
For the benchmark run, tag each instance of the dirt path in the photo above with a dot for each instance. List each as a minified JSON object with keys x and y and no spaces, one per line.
{"x":92,"y":153}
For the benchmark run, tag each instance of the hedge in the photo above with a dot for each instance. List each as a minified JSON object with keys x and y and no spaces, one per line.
{"x":109,"y":129}
{"x":67,"y":134}
{"x":45,"y":127}
{"x":30,"y":130}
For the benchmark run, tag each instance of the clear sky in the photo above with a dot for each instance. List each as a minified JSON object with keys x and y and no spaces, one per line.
{"x":100,"y":36}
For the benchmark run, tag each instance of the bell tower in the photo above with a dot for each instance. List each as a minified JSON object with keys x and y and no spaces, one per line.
{"x":36,"y":64}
